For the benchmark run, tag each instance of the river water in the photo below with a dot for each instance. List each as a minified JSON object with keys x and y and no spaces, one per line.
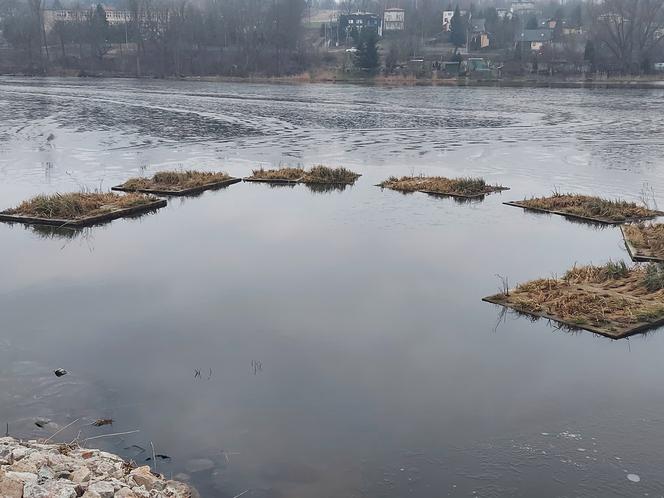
{"x":291,"y":343}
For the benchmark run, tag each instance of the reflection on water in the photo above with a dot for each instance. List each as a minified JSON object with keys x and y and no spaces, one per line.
{"x":283,"y":343}
{"x":322,"y":188}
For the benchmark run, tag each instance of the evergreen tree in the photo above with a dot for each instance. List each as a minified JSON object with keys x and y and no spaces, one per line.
{"x":392,"y":58}
{"x":577,"y":16}
{"x":457,"y":29}
{"x":366,"y":56}
{"x":98,"y":31}
{"x":589,"y":54}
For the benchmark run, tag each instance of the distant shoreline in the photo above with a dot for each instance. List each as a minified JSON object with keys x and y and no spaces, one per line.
{"x":395,"y":81}
{"x":386,"y":81}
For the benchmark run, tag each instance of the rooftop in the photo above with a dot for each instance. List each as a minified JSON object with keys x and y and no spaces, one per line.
{"x":531,"y":35}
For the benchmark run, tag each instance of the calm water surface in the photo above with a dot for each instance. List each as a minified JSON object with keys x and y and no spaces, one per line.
{"x":342,"y":345}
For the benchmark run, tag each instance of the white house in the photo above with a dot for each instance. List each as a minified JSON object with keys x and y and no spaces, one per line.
{"x":523,"y":8}
{"x":394,"y":19}
{"x":447,"y":18}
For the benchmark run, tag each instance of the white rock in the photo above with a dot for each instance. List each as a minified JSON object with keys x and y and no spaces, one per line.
{"x":52,"y":489}
{"x":5,"y":451}
{"x":24,"y":477}
{"x":143,"y":477}
{"x":118,"y":472}
{"x":61,"y":489}
{"x":31,"y":462}
{"x":117,"y":484}
{"x":45,"y":474}
{"x":81,"y":474}
{"x":34,"y":490}
{"x":110,"y":456}
{"x":125,"y":493}
{"x":10,"y":487}
{"x":102,"y":488}
{"x":141,"y":492}
{"x":19,"y":453}
{"x":104,"y":467}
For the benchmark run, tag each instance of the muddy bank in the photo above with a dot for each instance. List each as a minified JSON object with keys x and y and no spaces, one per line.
{"x":386,"y":81}
{"x":508,"y":82}
{"x":34,"y":470}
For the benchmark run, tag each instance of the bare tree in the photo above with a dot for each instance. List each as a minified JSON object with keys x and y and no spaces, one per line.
{"x":347,"y":6}
{"x":37,"y":14}
{"x":630,"y":29}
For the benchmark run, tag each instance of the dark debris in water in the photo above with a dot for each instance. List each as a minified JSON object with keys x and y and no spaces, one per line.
{"x":136,"y":447}
{"x":59,"y":372}
{"x":102,"y":421}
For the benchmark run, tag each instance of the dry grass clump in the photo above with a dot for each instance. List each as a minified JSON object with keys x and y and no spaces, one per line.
{"x":324,"y":174}
{"x":291,"y":174}
{"x":437,"y":184}
{"x":647,"y":239}
{"x":77,"y":205}
{"x":613,"y":299}
{"x":654,"y":278}
{"x":318,"y":174}
{"x":597,"y":274}
{"x":180,"y":180}
{"x":590,"y":207}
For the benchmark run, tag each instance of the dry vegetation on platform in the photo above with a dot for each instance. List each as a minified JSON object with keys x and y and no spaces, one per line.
{"x":280,"y":174}
{"x":612,"y":299}
{"x":585,"y":206}
{"x":175,"y":180}
{"x":323,"y":174}
{"x":317,"y":174}
{"x":647,"y":240}
{"x":78,"y":205}
{"x":465,"y":187}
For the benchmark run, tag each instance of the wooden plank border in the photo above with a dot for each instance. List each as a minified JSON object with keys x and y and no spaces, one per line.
{"x":634,"y":252}
{"x":271,"y":180}
{"x":448,"y":194}
{"x":299,"y":180}
{"x":604,"y":221}
{"x":88,"y":221}
{"x":642,"y":327}
{"x":182,"y":192}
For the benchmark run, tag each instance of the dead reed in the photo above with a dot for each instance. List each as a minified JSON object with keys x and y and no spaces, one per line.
{"x":465,"y":186}
{"x":324,"y":174}
{"x":175,"y":180}
{"x":290,"y":174}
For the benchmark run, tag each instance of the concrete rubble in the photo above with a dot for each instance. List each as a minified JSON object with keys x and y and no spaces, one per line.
{"x":34,"y":470}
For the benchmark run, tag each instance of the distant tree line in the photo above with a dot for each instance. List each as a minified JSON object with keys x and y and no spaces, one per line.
{"x":168,"y":37}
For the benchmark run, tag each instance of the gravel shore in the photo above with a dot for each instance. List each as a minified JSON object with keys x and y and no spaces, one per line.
{"x":34,"y":470}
